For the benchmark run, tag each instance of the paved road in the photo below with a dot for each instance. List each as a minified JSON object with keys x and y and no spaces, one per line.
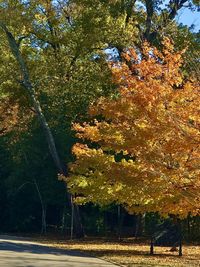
{"x":16,"y":252}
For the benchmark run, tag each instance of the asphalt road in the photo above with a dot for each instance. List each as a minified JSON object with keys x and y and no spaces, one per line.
{"x":16,"y":252}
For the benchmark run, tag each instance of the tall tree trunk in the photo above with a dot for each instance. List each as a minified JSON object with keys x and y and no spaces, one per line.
{"x":150,"y":11}
{"x":119,"y":221}
{"x":64,"y":220}
{"x":188,"y":227}
{"x":43,"y":208}
{"x":140,"y":224}
{"x":14,"y":47}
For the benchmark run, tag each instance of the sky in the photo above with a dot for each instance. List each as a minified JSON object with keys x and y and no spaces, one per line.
{"x":188,"y":17}
{"x":185,"y":16}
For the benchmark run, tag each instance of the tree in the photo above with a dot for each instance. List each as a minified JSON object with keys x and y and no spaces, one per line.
{"x":52,"y":72}
{"x":142,"y":149}
{"x":26,"y":82}
{"x":63,"y":46}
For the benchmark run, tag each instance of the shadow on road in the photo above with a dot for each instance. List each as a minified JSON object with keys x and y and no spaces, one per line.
{"x":19,"y":252}
{"x":24,"y":246}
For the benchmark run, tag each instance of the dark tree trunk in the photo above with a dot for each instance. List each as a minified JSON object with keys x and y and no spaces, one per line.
{"x":188,"y":228}
{"x":139,"y":225}
{"x":43,"y":209}
{"x":119,"y":221}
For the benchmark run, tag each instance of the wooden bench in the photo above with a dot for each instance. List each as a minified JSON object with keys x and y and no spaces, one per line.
{"x":167,"y":237}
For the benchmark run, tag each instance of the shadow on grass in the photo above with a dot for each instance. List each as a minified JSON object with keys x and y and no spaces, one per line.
{"x":129,"y":253}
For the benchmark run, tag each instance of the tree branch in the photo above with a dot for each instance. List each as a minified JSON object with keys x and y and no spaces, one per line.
{"x":150,"y":11}
{"x":175,"y":6}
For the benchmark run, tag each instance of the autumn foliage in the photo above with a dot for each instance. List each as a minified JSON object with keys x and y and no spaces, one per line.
{"x":141,"y":147}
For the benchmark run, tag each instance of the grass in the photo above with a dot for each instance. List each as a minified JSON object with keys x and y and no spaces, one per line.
{"x":131,"y":253}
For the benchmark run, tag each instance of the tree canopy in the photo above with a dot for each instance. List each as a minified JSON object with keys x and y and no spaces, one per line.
{"x":143,"y":149}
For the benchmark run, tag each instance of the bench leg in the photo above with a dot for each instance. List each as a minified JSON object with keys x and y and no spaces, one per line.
{"x":180,"y":239}
{"x":180,"y":253}
{"x":151,"y":247}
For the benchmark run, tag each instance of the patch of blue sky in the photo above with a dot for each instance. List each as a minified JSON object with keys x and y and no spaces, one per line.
{"x":189,"y":18}
{"x":185,"y":16}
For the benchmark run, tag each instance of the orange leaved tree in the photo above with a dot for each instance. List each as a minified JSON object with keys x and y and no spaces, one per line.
{"x":141,"y":147}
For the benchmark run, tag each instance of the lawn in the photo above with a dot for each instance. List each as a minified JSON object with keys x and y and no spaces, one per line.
{"x":133,"y":253}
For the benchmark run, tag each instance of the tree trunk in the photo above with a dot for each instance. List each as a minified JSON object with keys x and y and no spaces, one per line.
{"x":188,"y":227}
{"x":119,"y":221}
{"x":49,"y":137}
{"x":64,"y":219}
{"x":140,"y":225}
{"x":150,"y":11}
{"x":43,"y":208}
